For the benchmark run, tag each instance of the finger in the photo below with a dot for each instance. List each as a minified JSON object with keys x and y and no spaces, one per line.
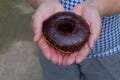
{"x":72,"y":58}
{"x":82,"y":54}
{"x":45,"y":48}
{"x":37,"y":27}
{"x":65,"y":60}
{"x":94,"y":22}
{"x":37,"y":19}
{"x":54,"y":56}
{"x":60,"y":58}
{"x":95,"y":32}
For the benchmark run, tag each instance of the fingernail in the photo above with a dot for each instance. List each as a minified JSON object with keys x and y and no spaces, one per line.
{"x":49,"y":56}
{"x":92,"y":45}
{"x":34,"y":39}
{"x":70,"y":61}
{"x":64,"y":64}
{"x":54,"y":59}
{"x":78,"y":60}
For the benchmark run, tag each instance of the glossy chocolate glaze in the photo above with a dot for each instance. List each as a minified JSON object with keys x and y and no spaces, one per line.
{"x":66,"y":31}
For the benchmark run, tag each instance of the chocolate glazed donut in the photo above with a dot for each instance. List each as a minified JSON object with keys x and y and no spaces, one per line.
{"x":66,"y":32}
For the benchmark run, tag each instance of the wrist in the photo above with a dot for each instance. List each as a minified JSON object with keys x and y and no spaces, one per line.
{"x":95,"y":4}
{"x":105,"y":7}
{"x":48,"y":2}
{"x":36,"y":3}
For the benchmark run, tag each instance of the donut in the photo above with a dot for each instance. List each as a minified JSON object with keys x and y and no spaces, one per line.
{"x":66,"y":31}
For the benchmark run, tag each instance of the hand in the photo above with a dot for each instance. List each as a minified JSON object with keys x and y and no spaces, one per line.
{"x":45,"y":10}
{"x":91,"y":15}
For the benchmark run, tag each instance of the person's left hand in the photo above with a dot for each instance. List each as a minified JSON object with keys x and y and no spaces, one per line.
{"x":92,"y":16}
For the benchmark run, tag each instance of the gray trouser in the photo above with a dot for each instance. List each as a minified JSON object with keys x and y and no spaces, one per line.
{"x":104,"y":68}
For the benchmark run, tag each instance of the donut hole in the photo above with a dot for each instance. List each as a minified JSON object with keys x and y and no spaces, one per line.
{"x":66,"y":26}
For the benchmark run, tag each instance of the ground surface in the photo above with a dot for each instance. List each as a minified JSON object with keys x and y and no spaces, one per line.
{"x":18,"y":54}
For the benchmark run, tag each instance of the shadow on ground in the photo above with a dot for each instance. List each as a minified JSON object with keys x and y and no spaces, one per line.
{"x":18,"y":54}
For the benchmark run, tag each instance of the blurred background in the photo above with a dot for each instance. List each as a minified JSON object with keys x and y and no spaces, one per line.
{"x":18,"y":54}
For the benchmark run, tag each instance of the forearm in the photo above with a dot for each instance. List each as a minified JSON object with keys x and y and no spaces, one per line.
{"x":106,"y":7}
{"x":36,"y":3}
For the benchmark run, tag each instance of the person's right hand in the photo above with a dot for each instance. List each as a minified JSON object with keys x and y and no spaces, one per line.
{"x":46,"y":9}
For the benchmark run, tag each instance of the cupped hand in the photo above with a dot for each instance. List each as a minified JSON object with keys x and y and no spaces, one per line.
{"x":45,"y":10}
{"x":91,"y":15}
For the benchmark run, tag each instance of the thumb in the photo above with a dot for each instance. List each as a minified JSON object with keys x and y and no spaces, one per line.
{"x":37,"y":19}
{"x":95,"y":29}
{"x":37,"y":26}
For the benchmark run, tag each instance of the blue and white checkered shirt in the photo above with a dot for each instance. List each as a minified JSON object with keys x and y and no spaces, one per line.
{"x":109,"y":40}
